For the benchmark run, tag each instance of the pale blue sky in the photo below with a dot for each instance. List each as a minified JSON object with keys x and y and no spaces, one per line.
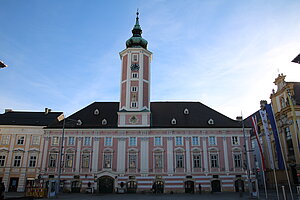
{"x":64,"y":54}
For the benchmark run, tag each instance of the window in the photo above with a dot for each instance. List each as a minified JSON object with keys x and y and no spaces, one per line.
{"x":87,"y":141}
{"x":158,"y":160}
{"x":288,"y":133}
{"x":235,"y":140}
{"x":132,"y":141}
{"x":32,"y":161}
{"x":20,"y":140}
{"x":195,"y":140}
{"x":134,"y":89}
{"x":134,"y":57}
{"x":196,"y":160}
{"x":214,"y":160}
{"x":179,"y":160}
{"x":157,"y":141}
{"x":132,"y":160}
{"x":17,"y":161}
{"x":107,"y":160}
{"x":212,"y":140}
{"x":237,"y":160}
{"x":2,"y":160}
{"x":133,"y":104}
{"x":85,"y":160}
{"x":5,"y":139}
{"x":71,"y":141}
{"x":135,"y":75}
{"x":52,"y":160}
{"x":69,"y":160}
{"x":253,"y":144}
{"x":178,"y":140}
{"x":35,"y":140}
{"x":108,"y":141}
{"x":55,"y":140}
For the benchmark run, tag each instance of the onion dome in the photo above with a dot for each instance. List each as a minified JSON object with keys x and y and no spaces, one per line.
{"x":136,"y":40}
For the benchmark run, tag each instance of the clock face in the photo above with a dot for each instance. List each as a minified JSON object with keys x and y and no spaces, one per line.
{"x":135,"y":67}
{"x":133,"y":120}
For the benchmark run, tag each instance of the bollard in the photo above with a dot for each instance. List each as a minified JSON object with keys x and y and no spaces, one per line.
{"x":283,"y":191}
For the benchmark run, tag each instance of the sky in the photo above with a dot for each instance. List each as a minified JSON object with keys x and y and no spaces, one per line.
{"x":64,"y":54}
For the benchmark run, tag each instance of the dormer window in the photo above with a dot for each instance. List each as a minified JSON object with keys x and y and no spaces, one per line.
{"x":210,"y":122}
{"x":186,"y":111}
{"x":96,"y":112}
{"x":104,"y":122}
{"x":173,"y":121}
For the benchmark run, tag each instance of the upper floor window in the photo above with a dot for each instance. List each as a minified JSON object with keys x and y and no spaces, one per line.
{"x":5,"y":139}
{"x":108,"y":141}
{"x":52,"y":160}
{"x":179,"y":159}
{"x":35,"y":140}
{"x":17,"y":161}
{"x":235,"y":140}
{"x":134,"y":75}
{"x":85,"y":160}
{"x":196,"y":160}
{"x":237,"y":160}
{"x":212,"y":140}
{"x":195,"y":140}
{"x":178,"y":140}
{"x":71,"y":141}
{"x":133,"y":104}
{"x":32,"y":161}
{"x":107,"y":160}
{"x":134,"y":89}
{"x":87,"y":141}
{"x":132,"y":141}
{"x":132,"y":160}
{"x":157,"y":141}
{"x":158,"y":159}
{"x":135,"y":57}
{"x":69,"y":160}
{"x":2,"y":160}
{"x":20,"y":140}
{"x":55,"y":140}
{"x":214,"y":160}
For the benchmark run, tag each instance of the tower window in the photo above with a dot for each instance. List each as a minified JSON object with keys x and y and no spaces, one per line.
{"x":135,"y":57}
{"x":134,"y":89}
{"x":133,"y":104}
{"x":135,"y":75}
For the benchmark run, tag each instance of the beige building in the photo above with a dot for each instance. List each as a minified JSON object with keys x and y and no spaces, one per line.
{"x":21,"y":139}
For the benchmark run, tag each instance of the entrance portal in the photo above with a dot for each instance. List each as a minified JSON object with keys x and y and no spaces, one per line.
{"x":106,"y":184}
{"x":189,"y":186}
{"x":158,"y":187}
{"x":131,"y":187}
{"x":215,"y":186}
{"x":76,"y":186}
{"x":239,"y":184}
{"x":13,"y":184}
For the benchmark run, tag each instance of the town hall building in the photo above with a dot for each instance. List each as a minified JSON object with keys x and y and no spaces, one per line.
{"x":141,"y":146}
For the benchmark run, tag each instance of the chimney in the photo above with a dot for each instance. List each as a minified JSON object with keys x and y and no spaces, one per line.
{"x":8,"y":110}
{"x":47,"y":110}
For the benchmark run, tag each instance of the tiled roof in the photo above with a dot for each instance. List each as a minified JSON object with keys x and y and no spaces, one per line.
{"x":28,"y":118}
{"x":197,"y":115}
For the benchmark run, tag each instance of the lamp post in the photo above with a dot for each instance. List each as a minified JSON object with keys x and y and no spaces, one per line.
{"x":60,"y":166}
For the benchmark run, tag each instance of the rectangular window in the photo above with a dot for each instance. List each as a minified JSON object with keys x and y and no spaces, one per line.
{"x":133,"y":104}
{"x":195,"y":140}
{"x":235,"y":140}
{"x":196,"y":160}
{"x":2,"y":160}
{"x":87,"y":141}
{"x":69,"y":160}
{"x":134,"y":57}
{"x":52,"y":160}
{"x":17,"y":161}
{"x":132,"y":141}
{"x":55,"y":140}
{"x":20,"y":140}
{"x":107,"y":160}
{"x":32,"y":161}
{"x":237,"y":160}
{"x":178,"y":140}
{"x":71,"y":140}
{"x":35,"y":140}
{"x":157,"y":141}
{"x":132,"y":160}
{"x":85,"y":160}
{"x":108,"y":141}
{"x":158,"y":161}
{"x":212,"y":140}
{"x":214,"y":160}
{"x":179,"y":160}
{"x":135,"y":75}
{"x":5,"y":139}
{"x":134,"y":89}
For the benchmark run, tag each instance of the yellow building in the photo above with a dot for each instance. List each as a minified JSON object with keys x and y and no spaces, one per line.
{"x":21,"y":142}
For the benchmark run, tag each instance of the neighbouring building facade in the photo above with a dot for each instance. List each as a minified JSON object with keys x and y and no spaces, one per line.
{"x":141,"y":145}
{"x":21,"y":142}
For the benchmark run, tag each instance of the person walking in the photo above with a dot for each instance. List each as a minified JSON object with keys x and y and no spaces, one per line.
{"x":2,"y":190}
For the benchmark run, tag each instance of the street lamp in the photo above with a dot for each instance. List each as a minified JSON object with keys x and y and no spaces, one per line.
{"x":78,"y":123}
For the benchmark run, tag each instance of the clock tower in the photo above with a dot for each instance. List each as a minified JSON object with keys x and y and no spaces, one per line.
{"x":134,"y":109}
